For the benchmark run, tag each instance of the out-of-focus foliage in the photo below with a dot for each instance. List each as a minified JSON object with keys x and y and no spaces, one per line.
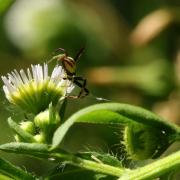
{"x":132,"y":52}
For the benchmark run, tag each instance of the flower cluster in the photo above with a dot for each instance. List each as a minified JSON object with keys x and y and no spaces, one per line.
{"x":35,"y":90}
{"x":38,"y":93}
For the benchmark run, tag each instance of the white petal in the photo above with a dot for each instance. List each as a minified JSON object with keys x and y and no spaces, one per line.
{"x":17,"y":77}
{"x":24,"y":77}
{"x":13,"y":80}
{"x":6,"y":90}
{"x":29,"y":74}
{"x":45,"y":71}
{"x":8,"y":85}
{"x":34,"y":73}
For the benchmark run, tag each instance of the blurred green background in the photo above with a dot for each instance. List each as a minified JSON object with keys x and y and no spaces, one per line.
{"x":132,"y":55}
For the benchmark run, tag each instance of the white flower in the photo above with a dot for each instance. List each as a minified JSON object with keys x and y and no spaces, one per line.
{"x":34,"y":90}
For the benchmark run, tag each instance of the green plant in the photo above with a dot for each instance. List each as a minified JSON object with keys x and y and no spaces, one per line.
{"x":144,"y":134}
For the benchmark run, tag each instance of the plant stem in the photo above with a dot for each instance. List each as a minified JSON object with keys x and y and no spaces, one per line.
{"x":89,"y":165}
{"x":150,"y":171}
{"x":154,"y":169}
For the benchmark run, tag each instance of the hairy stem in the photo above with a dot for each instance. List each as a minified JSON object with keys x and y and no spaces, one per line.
{"x":89,"y":165}
{"x":150,"y":171}
{"x":154,"y":169}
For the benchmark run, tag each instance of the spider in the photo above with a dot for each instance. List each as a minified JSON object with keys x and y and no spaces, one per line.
{"x":69,"y":65}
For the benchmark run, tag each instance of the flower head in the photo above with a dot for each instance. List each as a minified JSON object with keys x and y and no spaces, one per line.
{"x":34,"y":89}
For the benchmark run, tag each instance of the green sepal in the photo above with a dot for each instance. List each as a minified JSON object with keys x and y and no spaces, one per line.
{"x":54,"y":117}
{"x":27,"y":137}
{"x":62,"y":109}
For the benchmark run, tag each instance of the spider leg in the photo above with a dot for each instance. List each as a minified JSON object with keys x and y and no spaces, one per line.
{"x":80,"y":82}
{"x":84,"y":91}
{"x":55,"y":57}
{"x":63,"y":50}
{"x":78,"y":55}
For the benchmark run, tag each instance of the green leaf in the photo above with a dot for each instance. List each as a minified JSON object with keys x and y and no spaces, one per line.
{"x":14,"y":172}
{"x":35,"y":149}
{"x":114,"y":113}
{"x":17,"y":129}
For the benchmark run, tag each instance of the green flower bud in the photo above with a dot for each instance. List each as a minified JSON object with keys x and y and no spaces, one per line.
{"x":40,"y":138}
{"x":28,"y":126}
{"x":45,"y":120}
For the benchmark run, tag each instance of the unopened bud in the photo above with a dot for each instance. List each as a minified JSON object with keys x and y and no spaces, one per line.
{"x":28,"y":126}
{"x":45,"y":120}
{"x":40,"y":138}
